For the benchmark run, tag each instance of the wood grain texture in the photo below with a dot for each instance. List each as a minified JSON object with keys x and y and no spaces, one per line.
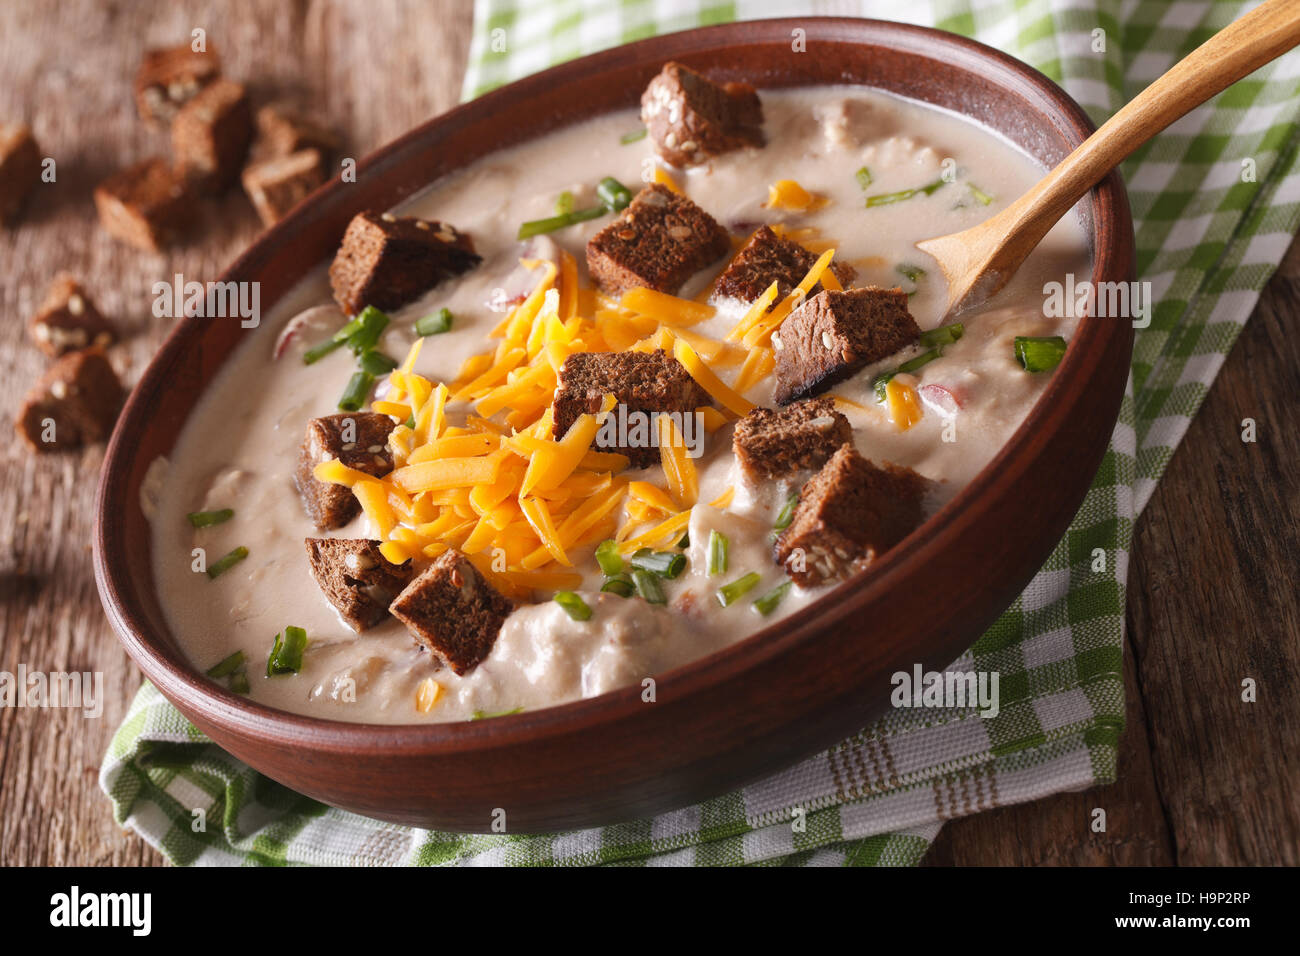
{"x":1203,"y":777}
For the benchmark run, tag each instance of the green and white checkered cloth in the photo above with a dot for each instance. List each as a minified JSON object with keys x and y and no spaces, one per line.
{"x":1208,"y":235}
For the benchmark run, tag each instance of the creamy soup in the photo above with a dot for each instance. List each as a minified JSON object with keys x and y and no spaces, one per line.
{"x":240,"y":447}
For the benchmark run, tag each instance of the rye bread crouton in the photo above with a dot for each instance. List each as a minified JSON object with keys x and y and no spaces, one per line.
{"x":276,"y":185}
{"x":639,"y":381}
{"x":774,"y":443}
{"x":357,"y":439}
{"x":387,"y":262}
{"x":74,"y":403}
{"x":210,"y":136}
{"x":143,"y":205}
{"x":20,"y":170}
{"x":453,"y":611}
{"x":691,"y":118}
{"x":283,"y":130}
{"x":169,"y":78}
{"x":834,"y":334}
{"x":848,"y":513}
{"x":356,"y":578}
{"x":67,"y":320}
{"x":768,"y":258}
{"x":660,"y":241}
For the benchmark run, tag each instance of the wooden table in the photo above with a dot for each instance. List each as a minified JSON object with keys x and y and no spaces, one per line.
{"x":1204,"y":778}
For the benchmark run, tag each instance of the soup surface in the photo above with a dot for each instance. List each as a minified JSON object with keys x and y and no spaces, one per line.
{"x":240,"y":447}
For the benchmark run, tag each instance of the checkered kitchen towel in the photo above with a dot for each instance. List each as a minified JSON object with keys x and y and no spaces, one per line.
{"x":1208,"y":239}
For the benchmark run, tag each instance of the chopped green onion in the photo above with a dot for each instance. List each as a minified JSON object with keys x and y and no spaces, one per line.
{"x":434,"y":324}
{"x":1040,"y":353}
{"x":239,"y":682}
{"x":206,"y":519}
{"x":573,"y":605}
{"x":228,"y":666}
{"x":564,"y":203}
{"x":551,"y":223}
{"x":717,"y":553}
{"x":943,"y":335}
{"x":607,"y":556}
{"x":633,"y":137}
{"x":885,"y":199}
{"x":684,"y":541}
{"x":620,"y":584}
{"x":647,"y":585}
{"x":911,"y":365}
{"x":226,"y":563}
{"x":768,"y":602}
{"x":316,"y":353}
{"x":915,"y":273}
{"x":286,"y":653}
{"x":864,"y":177}
{"x":376,"y":363}
{"x":787,"y":513}
{"x":373,"y":322}
{"x":983,"y":197}
{"x":662,"y":563}
{"x":357,"y":393}
{"x":484,"y":715}
{"x":729,"y":594}
{"x":612,"y":194}
{"x":410,"y":422}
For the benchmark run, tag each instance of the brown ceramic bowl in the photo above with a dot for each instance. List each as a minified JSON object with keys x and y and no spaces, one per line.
{"x":752,"y":708}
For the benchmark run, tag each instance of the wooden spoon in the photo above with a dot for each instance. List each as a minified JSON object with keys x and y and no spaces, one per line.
{"x":979,"y":261}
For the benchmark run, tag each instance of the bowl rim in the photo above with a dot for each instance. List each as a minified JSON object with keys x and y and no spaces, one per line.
{"x":164,"y":665}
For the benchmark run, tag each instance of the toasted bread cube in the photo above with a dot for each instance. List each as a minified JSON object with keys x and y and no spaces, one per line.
{"x":775,"y":443}
{"x":20,"y":170}
{"x":834,"y":334}
{"x":283,"y":130}
{"x":768,"y":258}
{"x":143,"y":205}
{"x":356,"y":578}
{"x":74,"y":403}
{"x":357,"y":439}
{"x":386,"y":261}
{"x":274,"y":186}
{"x":451,"y":610}
{"x":691,"y":118}
{"x":849,"y":513}
{"x":169,"y":78}
{"x":660,"y":241}
{"x":210,"y":135}
{"x":68,"y":320}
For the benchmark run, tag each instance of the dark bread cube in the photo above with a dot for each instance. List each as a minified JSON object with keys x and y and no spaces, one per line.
{"x":356,"y":578}
{"x":848,"y":513}
{"x":768,"y":258}
{"x":169,"y":78}
{"x":834,"y":334}
{"x":660,"y":241}
{"x":283,"y":130}
{"x":67,"y":320}
{"x":74,"y":403}
{"x":274,"y":186}
{"x":143,"y":205}
{"x":691,"y":118}
{"x":20,"y":169}
{"x":639,"y":381}
{"x":357,"y":439}
{"x":210,"y":135}
{"x":773,"y":443}
{"x":387,"y":262}
{"x":453,"y":611}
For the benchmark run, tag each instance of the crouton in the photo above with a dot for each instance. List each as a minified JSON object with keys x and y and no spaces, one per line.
{"x":67,"y":320}
{"x":143,"y":205}
{"x":357,"y":439}
{"x":834,"y":334}
{"x":282,"y":131}
{"x":691,"y":118}
{"x":767,"y":258}
{"x":274,"y":186}
{"x":849,"y":513}
{"x":356,"y":578}
{"x":169,"y":78}
{"x":775,"y":443}
{"x":20,"y":170}
{"x":387,"y":262}
{"x":74,"y":403}
{"x":210,"y":136}
{"x":660,"y":241}
{"x":451,"y":610}
{"x":639,"y":381}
